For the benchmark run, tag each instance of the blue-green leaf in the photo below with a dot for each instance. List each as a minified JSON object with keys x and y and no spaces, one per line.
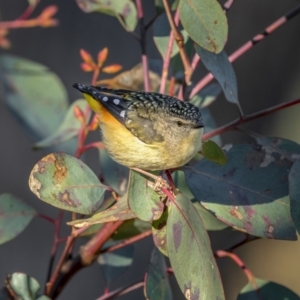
{"x":36,"y":96}
{"x":15,"y":215}
{"x":249,"y":193}
{"x":222,"y":70}
{"x":190,"y":253}
{"x":117,"y":262}
{"x":157,"y":284}
{"x":266,"y":290}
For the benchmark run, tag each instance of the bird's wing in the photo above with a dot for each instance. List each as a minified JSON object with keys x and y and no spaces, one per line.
{"x":129,"y":110}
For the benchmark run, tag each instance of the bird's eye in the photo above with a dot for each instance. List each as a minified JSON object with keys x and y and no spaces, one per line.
{"x":179,"y":123}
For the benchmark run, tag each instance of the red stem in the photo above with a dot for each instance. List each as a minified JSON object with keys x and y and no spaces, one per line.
{"x":164,"y":75}
{"x":248,"y":118}
{"x":240,"y":263}
{"x":255,"y":40}
{"x":142,"y":40}
{"x":127,"y":242}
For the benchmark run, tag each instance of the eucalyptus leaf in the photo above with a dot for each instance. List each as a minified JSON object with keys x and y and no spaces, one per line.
{"x":115,"y":263}
{"x":35,"y":96}
{"x":143,"y":201}
{"x":15,"y":215}
{"x":220,"y":67}
{"x":249,"y":193}
{"x":124,"y":10}
{"x":205,"y":22}
{"x":119,"y":211}
{"x":67,"y":183}
{"x":267,"y":290}
{"x":157,"y":284}
{"x":207,"y":96}
{"x":68,"y":129}
{"x":190,"y":252}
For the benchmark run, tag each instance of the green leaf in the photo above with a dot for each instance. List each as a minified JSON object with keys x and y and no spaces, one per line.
{"x":113,"y":174}
{"x":43,"y":297}
{"x":266,"y":290}
{"x":249,"y":193}
{"x":190,"y":252}
{"x":67,"y":183}
{"x":35,"y":96}
{"x":157,"y":284}
{"x":119,"y":211}
{"x":210,"y":221}
{"x":294,"y":185}
{"x":222,"y":70}
{"x":143,"y":201}
{"x":24,"y":286}
{"x":124,"y":10}
{"x":207,"y":96}
{"x":211,"y":151}
{"x":159,"y":231}
{"x":68,"y":129}
{"x":287,"y":148}
{"x":15,"y":215}
{"x":131,"y":228}
{"x":115,"y":263}
{"x":205,"y":22}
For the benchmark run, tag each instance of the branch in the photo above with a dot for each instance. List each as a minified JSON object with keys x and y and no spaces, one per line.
{"x":165,"y":70}
{"x":127,"y":242}
{"x":240,"y":263}
{"x":43,"y":20}
{"x":143,"y":45}
{"x":87,"y":255}
{"x":121,"y":291}
{"x":180,"y":42}
{"x":247,"y":46}
{"x":244,"y":119}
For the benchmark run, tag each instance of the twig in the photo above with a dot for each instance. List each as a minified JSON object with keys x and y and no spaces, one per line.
{"x":87,"y":255}
{"x":227,"y":5}
{"x":244,"y":119}
{"x":57,"y":240}
{"x":255,"y":40}
{"x":121,"y":291}
{"x":28,"y":11}
{"x":240,"y":263}
{"x":127,"y":242}
{"x":143,"y":45}
{"x":180,"y":42}
{"x":165,"y":69}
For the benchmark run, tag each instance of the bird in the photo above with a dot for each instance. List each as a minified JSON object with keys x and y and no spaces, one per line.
{"x":145,"y":130}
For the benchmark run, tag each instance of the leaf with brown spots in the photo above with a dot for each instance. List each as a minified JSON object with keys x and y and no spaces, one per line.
{"x":190,"y":252}
{"x":124,"y":10}
{"x":15,"y":215}
{"x":159,"y":231}
{"x":67,"y":183}
{"x":250,"y":192}
{"x":119,"y":211}
{"x":205,"y":22}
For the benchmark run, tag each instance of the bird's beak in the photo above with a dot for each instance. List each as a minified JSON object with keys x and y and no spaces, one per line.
{"x":200,"y":124}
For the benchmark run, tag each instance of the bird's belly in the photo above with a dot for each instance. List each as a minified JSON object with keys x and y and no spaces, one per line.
{"x":128,"y":150}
